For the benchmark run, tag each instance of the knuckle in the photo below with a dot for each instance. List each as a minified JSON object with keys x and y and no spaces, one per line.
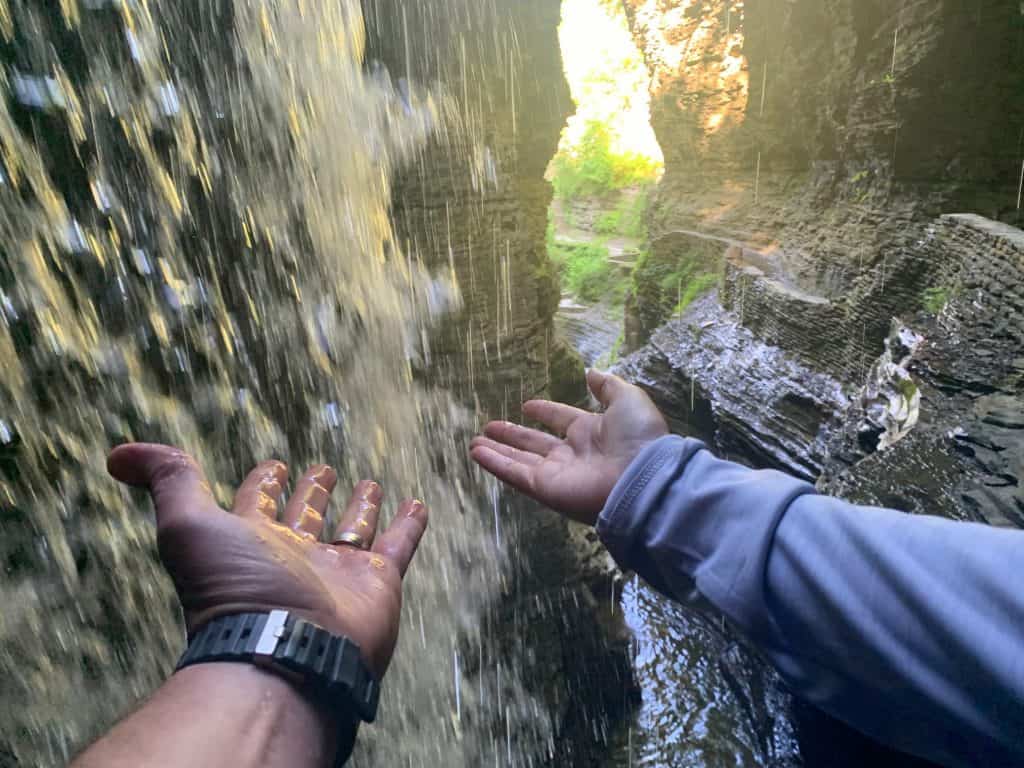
{"x":178,"y":464}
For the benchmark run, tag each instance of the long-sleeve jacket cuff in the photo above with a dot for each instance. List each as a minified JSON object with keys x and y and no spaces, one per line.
{"x":682,"y":518}
{"x":639,"y":490}
{"x":636,"y":497}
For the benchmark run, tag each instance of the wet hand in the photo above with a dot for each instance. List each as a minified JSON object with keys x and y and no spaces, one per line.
{"x":575,"y":474}
{"x":260,"y":558}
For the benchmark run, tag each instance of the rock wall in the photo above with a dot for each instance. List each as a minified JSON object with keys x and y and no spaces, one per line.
{"x":828,"y":135}
{"x":815,"y":150}
{"x":746,"y":399}
{"x":970,"y":372}
{"x":474,"y":205}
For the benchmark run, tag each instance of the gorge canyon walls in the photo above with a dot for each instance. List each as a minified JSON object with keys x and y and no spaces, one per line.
{"x":474,"y":205}
{"x":840,"y":164}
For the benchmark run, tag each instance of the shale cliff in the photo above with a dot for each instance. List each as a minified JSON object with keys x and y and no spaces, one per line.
{"x":849,"y":170}
{"x":826,"y":136}
{"x":474,"y":205}
{"x":816,"y":154}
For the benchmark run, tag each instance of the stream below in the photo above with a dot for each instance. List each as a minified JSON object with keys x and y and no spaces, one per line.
{"x":706,"y":699}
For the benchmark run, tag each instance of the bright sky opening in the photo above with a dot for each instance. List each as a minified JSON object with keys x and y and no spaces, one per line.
{"x":607,"y":76}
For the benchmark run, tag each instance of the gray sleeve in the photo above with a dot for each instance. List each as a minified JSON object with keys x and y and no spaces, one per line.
{"x":910,"y":629}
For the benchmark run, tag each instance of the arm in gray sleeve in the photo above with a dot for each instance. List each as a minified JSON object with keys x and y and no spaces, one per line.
{"x":909,"y":628}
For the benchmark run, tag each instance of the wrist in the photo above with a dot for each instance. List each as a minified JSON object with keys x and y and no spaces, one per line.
{"x":283,"y":724}
{"x":217,"y":714}
{"x":624,"y":516}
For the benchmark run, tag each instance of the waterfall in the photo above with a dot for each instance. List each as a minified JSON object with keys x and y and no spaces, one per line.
{"x":197,"y":250}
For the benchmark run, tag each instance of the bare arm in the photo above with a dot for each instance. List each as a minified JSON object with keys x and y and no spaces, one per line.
{"x":219,"y":715}
{"x":259,"y":558}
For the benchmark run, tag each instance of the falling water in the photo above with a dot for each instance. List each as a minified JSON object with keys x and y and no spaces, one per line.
{"x":1020,"y":187}
{"x":197,"y":250}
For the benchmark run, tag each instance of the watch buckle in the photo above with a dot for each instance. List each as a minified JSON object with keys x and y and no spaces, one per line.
{"x":272,"y":633}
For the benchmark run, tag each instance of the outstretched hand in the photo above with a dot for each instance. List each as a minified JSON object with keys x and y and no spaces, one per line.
{"x":573,"y":475}
{"x":250,"y":559}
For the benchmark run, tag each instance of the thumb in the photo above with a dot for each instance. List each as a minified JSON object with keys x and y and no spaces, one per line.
{"x":174,"y":480}
{"x":606,"y":387}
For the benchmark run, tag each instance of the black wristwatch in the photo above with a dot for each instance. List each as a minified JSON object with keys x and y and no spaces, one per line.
{"x":330,"y":667}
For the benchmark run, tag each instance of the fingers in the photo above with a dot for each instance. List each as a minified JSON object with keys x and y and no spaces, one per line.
{"x":399,"y":542}
{"x":307,"y":506}
{"x":605,"y":386}
{"x":556,"y":416}
{"x":360,"y":517}
{"x":175,"y":482}
{"x":507,"y":469}
{"x":260,"y":491}
{"x":525,"y":439}
{"x":523,"y":457}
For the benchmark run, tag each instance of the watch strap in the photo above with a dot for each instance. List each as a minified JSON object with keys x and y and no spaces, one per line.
{"x":330,"y":665}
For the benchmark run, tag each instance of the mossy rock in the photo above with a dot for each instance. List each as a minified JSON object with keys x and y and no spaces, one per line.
{"x":568,"y":374}
{"x":668,"y":277}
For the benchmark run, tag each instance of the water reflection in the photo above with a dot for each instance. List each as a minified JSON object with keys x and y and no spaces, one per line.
{"x":707,"y":701}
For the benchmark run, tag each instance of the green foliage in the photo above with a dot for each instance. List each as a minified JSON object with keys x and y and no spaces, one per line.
{"x":633,"y":221}
{"x":627,"y":219}
{"x":608,"y":223}
{"x":664,"y":287}
{"x":594,"y":169}
{"x":587,"y":273}
{"x":611,"y":356}
{"x":696,"y":287}
{"x":861,"y":186}
{"x":935,"y":299}
{"x":907,"y":388}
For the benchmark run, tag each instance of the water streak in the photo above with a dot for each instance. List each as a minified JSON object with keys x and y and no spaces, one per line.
{"x":197,"y":250}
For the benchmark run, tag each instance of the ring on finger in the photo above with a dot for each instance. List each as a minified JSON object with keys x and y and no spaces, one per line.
{"x":351,"y":539}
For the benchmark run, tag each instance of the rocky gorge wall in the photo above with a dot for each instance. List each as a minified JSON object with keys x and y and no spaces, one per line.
{"x":840,"y":164}
{"x":816,"y":154}
{"x":473,"y":205}
{"x":475,"y":202}
{"x":828,"y":135}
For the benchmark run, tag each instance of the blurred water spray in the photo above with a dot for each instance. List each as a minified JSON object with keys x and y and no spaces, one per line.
{"x":196,"y":249}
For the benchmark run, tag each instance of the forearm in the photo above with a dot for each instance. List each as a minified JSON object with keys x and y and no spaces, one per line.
{"x":916,"y":627}
{"x":216,"y":715}
{"x":908,"y":628}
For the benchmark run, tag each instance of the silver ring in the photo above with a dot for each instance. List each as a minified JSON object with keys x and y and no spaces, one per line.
{"x":351,"y":539}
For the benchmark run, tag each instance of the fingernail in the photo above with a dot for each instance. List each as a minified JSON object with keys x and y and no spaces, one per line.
{"x":415,"y":508}
{"x":366,"y":507}
{"x":323,"y":469}
{"x":370,"y":490}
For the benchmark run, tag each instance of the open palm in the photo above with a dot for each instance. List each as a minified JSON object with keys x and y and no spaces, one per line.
{"x":255,"y":559}
{"x":573,"y":475}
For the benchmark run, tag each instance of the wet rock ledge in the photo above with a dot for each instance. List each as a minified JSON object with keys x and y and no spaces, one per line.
{"x":830,"y":201}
